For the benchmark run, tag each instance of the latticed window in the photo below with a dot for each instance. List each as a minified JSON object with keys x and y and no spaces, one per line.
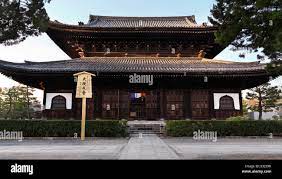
{"x":226,"y":102}
{"x":58,"y":102}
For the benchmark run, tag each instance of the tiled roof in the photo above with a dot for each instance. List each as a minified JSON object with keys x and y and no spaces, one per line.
{"x":173,"y":23}
{"x":135,"y":22}
{"x":189,"y":65}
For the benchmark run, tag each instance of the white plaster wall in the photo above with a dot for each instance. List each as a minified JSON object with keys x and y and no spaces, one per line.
{"x":50,"y":96}
{"x":235,"y":96}
{"x":265,"y":115}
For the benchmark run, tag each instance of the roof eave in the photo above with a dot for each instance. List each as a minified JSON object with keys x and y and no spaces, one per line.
{"x":83,"y":28}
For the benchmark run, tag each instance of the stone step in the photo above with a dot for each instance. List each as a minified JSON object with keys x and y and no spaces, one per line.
{"x":149,"y":128}
{"x":145,"y":132}
{"x":140,"y":135}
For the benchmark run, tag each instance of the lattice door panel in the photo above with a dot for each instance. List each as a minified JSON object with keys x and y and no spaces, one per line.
{"x":174,"y":104}
{"x":200,"y":104}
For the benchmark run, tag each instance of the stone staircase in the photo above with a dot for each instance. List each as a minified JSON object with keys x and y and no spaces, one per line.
{"x":137,"y":128}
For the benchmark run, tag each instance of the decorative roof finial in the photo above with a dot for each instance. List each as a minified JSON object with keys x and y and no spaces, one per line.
{"x":201,"y":54}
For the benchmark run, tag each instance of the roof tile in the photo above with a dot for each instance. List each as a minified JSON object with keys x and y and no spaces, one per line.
{"x":135,"y":64}
{"x":137,"y":22}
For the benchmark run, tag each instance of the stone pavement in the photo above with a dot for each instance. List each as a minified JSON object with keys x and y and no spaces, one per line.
{"x":97,"y":148}
{"x":227,"y":148}
{"x":147,"y":147}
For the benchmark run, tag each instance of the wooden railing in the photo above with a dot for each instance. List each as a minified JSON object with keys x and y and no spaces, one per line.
{"x":137,"y":54}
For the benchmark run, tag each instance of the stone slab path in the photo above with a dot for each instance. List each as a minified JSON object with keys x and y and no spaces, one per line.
{"x":147,"y":147}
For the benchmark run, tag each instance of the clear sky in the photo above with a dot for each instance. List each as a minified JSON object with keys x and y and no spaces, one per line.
{"x":42,"y":48}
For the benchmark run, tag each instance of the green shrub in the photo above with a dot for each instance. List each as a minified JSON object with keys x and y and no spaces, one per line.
{"x":65,"y":128}
{"x":275,"y":117}
{"x":181,"y":128}
{"x":237,"y":118}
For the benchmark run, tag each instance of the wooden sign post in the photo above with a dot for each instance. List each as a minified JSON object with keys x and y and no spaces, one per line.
{"x":84,"y":91}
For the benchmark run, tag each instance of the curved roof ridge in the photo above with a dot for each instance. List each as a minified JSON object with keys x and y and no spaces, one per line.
{"x":6,"y":62}
{"x":191,"y":17}
{"x":230,"y":62}
{"x":48,"y":62}
{"x":137,"y":21}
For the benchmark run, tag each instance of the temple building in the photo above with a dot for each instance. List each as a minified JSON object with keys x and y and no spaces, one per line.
{"x":146,"y":68}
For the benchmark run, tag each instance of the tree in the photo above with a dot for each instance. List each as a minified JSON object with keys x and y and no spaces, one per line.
{"x":266,"y":96}
{"x":26,"y":98}
{"x":249,"y":24}
{"x":245,"y":107}
{"x":1,"y":103}
{"x":20,"y":19}
{"x":275,"y":68}
{"x":17,"y":102}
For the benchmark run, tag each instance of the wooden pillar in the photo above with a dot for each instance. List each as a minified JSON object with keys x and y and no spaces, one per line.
{"x":90,"y":109}
{"x":97,"y":103}
{"x":118,"y":116}
{"x":187,"y":104}
{"x":211,"y":105}
{"x":73,"y":106}
{"x":78,"y":108}
{"x":162,"y":104}
{"x":44,"y":97}
{"x":44,"y":112}
{"x":241,"y":102}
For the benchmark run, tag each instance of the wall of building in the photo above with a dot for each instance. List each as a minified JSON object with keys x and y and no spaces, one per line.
{"x":223,"y":114}
{"x":265,"y":115}
{"x":50,"y":96}
{"x":166,"y":104}
{"x":234,"y":96}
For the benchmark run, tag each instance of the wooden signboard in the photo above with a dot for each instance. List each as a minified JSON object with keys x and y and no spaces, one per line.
{"x":83,"y":90}
{"x":84,"y":85}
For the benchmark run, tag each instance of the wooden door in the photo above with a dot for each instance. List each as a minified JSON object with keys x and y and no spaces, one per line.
{"x":123,"y":104}
{"x":110,"y":104}
{"x":200,"y":104}
{"x":153,"y":105}
{"x":137,"y":107}
{"x":174,"y":104}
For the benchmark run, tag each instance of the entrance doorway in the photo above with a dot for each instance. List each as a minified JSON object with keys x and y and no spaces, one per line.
{"x":137,"y":106}
{"x":200,"y":104}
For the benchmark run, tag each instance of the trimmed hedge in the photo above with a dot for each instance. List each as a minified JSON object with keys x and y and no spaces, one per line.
{"x":181,"y":128}
{"x":65,"y":128}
